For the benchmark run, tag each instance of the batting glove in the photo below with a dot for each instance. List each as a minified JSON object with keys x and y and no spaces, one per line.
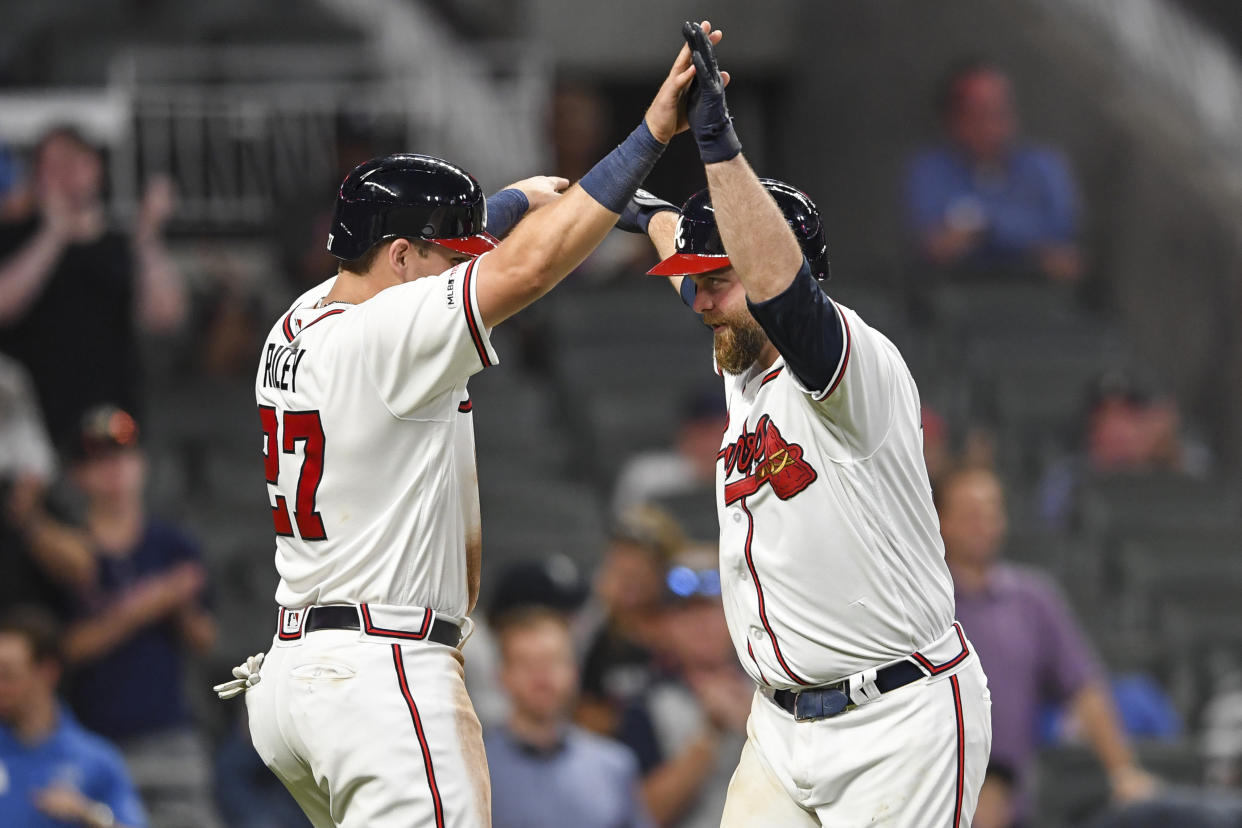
{"x":636,"y":216}
{"x":245,"y":676}
{"x":706,"y":109}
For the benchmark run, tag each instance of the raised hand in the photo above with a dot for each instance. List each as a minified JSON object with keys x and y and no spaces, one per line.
{"x":706,"y":109}
{"x":667,"y":114}
{"x":159,"y":200}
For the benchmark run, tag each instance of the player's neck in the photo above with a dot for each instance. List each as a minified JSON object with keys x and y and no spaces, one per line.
{"x":356,"y":288}
{"x":766,"y":357}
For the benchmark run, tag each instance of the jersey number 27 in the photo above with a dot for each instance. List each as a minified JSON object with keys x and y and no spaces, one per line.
{"x":304,"y":427}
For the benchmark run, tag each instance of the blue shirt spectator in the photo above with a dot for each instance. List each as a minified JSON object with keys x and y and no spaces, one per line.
{"x":985,"y":199}
{"x":583,"y":780}
{"x":70,"y":756}
{"x":544,"y":770}
{"x":1025,"y":201}
{"x":52,"y":771}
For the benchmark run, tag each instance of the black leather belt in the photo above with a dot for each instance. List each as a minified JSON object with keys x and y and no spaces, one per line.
{"x":833,"y":699}
{"x":341,"y":617}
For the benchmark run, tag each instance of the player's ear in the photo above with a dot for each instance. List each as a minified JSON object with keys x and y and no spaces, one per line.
{"x":399,"y":254}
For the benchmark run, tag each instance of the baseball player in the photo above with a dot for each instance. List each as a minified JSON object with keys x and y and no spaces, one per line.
{"x":871,"y":707}
{"x":360,"y":706}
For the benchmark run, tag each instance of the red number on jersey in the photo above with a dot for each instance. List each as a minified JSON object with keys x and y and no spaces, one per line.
{"x":304,"y":427}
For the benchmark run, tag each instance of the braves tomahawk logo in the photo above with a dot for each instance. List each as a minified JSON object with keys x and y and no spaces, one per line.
{"x":764,"y":456}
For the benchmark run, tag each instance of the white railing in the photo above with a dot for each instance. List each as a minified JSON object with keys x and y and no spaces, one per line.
{"x":484,"y":107}
{"x":243,"y":129}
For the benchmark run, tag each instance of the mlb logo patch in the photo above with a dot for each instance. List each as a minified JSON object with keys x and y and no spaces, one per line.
{"x":291,"y":623}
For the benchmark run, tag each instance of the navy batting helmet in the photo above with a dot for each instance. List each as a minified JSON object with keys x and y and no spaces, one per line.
{"x":409,"y":196}
{"x":700,"y":250}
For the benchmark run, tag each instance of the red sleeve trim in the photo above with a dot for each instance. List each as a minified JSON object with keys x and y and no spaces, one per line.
{"x":472,"y":320}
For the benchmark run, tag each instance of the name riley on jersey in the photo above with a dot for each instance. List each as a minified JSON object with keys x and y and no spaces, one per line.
{"x":280,"y":367}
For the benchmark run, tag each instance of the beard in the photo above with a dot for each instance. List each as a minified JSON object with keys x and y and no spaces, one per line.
{"x":739,"y":343}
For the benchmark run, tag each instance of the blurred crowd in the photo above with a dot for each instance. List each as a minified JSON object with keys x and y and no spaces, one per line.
{"x":609,"y":697}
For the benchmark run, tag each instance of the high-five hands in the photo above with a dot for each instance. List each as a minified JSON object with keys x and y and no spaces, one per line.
{"x":706,"y":110}
{"x":666,"y":116}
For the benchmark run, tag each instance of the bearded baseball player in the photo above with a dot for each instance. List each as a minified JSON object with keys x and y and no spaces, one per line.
{"x":360,"y":705}
{"x":871,"y":707}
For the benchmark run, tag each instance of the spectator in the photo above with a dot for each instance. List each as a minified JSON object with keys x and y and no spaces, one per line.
{"x":142,"y":613}
{"x":1028,"y":641}
{"x":1127,"y":430}
{"x":984,"y":199}
{"x":687,"y":468}
{"x":65,"y":270}
{"x":52,"y":771}
{"x":552,"y":582}
{"x":27,"y":467}
{"x":622,"y":625}
{"x":545,"y":771}
{"x":689,"y":728}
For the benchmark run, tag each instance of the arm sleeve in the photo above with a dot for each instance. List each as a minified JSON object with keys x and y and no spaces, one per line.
{"x":424,"y":338}
{"x":852,"y":374}
{"x":808,"y":331}
{"x":688,"y":291}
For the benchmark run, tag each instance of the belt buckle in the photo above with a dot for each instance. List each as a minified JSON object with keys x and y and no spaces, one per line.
{"x":824,"y":703}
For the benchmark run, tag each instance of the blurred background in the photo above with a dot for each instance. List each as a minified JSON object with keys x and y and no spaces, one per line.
{"x":1039,"y":202}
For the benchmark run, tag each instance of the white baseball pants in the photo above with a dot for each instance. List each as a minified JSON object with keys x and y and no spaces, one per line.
{"x":913,"y":758}
{"x":374,"y":732}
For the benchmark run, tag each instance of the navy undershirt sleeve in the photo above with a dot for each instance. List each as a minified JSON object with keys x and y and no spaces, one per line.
{"x":806,"y":329}
{"x":688,"y":291}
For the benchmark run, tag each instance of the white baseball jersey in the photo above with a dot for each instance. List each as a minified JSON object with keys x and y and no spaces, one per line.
{"x":831,"y":560}
{"x":369,"y":444}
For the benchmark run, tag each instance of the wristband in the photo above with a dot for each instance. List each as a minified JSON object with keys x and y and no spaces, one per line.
{"x":505,"y":209}
{"x":614,"y":179}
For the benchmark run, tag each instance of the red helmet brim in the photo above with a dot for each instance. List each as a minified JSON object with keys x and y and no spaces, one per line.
{"x":475,"y":245}
{"x":689,"y":264}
